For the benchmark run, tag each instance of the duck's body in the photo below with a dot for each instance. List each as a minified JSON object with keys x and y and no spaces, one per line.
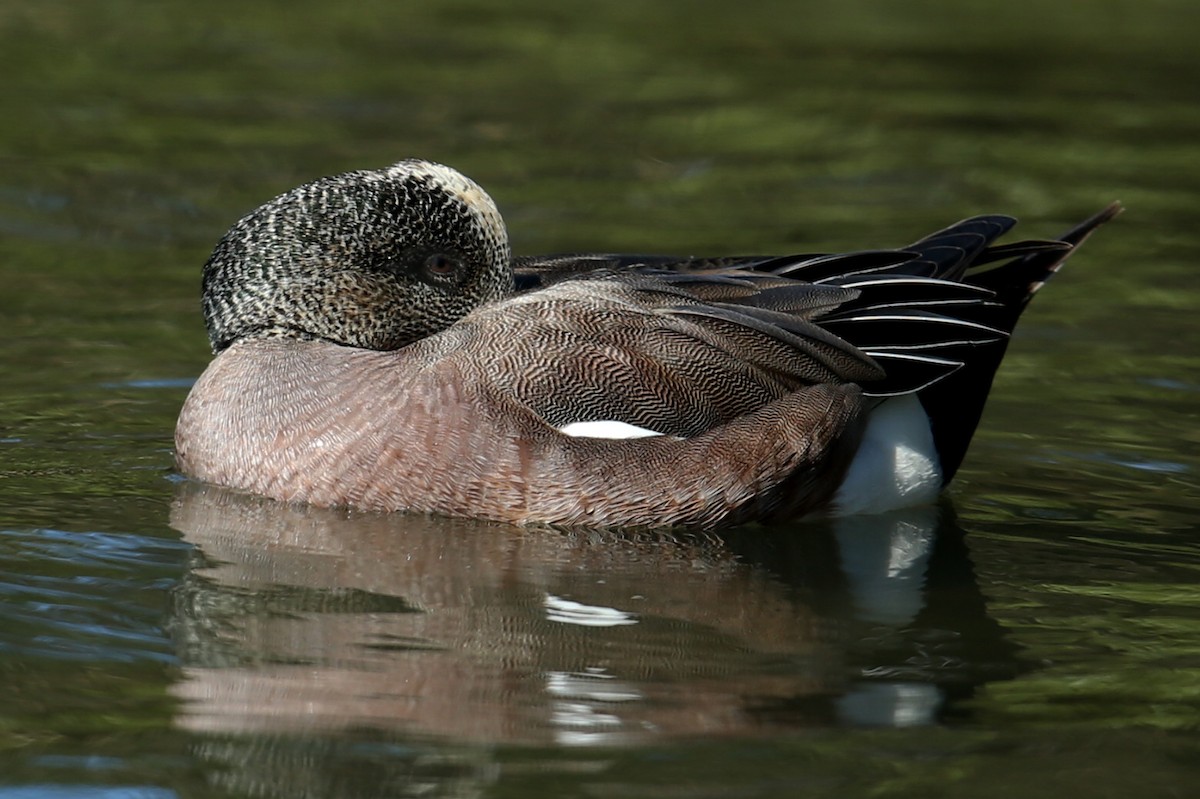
{"x":377,"y":349}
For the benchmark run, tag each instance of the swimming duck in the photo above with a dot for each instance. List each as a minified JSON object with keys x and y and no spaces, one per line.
{"x":378,"y":347}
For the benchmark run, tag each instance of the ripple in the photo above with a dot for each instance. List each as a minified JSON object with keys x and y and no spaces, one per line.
{"x":1124,"y":461}
{"x":42,"y":791}
{"x":164,"y":382}
{"x":1168,"y":383}
{"x":86,"y":596}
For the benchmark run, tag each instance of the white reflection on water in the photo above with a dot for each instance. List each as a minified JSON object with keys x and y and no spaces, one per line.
{"x":890,"y":704}
{"x":884,"y":559}
{"x":566,"y":611}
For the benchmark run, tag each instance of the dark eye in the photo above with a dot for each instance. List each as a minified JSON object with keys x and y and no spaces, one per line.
{"x":441,"y":265}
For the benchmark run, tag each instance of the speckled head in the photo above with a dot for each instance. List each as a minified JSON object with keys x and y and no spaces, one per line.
{"x":375,"y":259}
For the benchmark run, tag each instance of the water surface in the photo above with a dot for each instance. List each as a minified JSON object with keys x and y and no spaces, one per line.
{"x":1036,"y":634}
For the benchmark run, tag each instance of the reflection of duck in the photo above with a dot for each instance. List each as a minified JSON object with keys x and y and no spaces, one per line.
{"x":305,"y":620}
{"x":918,"y":632}
{"x":376,"y":350}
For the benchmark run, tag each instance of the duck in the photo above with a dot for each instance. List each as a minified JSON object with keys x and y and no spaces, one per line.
{"x":377,"y":347}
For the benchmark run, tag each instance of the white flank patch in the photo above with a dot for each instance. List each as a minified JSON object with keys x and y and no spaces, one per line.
{"x":896,"y":465}
{"x":606,"y":429}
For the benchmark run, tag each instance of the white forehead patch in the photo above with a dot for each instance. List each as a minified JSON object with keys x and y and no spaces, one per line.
{"x":458,"y":185}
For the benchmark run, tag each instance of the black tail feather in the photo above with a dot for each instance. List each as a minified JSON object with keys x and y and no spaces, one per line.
{"x":955,"y":405}
{"x":1017,"y":281}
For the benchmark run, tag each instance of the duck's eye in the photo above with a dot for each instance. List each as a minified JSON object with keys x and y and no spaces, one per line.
{"x":441,"y":265}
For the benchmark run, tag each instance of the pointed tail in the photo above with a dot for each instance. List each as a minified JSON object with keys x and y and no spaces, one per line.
{"x":955,"y":405}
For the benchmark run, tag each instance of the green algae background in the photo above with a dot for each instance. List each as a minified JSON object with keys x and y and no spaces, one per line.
{"x":134,"y":134}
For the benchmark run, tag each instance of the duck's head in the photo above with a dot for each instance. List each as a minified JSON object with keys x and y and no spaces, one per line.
{"x":375,"y":259}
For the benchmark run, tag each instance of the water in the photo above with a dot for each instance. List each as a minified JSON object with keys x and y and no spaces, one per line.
{"x":1036,"y":634}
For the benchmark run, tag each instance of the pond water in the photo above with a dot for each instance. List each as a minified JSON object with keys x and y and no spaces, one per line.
{"x":1036,"y":634}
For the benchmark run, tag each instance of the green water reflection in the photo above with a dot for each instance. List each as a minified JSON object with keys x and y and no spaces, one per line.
{"x":1040,"y":638}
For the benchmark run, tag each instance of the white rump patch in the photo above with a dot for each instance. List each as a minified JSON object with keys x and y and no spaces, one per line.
{"x":606,"y":429}
{"x":896,"y":465}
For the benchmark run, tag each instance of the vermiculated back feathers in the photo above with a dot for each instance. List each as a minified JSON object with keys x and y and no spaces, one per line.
{"x":893,"y":321}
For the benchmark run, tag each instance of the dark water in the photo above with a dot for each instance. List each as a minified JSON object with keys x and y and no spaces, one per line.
{"x":1037,"y":634}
